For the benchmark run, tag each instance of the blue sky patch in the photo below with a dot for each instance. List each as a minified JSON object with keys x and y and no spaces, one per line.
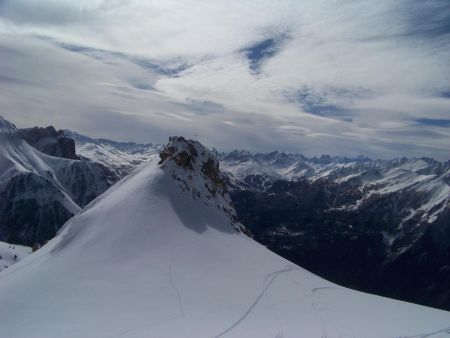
{"x":157,"y":66}
{"x":445,"y":94}
{"x":262,"y":50}
{"x":443,"y":123}
{"x":316,"y":104}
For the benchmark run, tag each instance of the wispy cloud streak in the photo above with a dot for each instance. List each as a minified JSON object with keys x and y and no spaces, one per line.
{"x":315,"y":76}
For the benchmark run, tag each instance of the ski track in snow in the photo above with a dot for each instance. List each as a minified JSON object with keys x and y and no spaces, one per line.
{"x":317,"y":309}
{"x":180,"y":303}
{"x":274,"y":276}
{"x":314,"y":305}
{"x":172,"y":282}
{"x":280,"y":333}
{"x":323,"y":288}
{"x":321,"y":320}
{"x":430,"y":334}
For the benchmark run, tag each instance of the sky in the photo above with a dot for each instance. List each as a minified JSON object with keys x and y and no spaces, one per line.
{"x":317,"y":77}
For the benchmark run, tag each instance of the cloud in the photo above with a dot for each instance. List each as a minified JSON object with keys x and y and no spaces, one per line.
{"x":52,"y":13}
{"x":11,"y":80}
{"x":315,"y":76}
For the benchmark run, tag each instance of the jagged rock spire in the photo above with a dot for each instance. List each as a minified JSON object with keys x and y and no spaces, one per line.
{"x":196,"y":170}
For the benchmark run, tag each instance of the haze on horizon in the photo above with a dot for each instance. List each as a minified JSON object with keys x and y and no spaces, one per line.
{"x":334,"y":77}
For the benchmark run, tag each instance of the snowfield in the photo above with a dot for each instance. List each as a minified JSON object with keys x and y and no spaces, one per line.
{"x":158,"y":255}
{"x":11,"y":254}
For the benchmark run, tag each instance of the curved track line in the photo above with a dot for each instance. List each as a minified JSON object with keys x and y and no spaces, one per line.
{"x":180,"y":303}
{"x":274,"y":276}
{"x":425,"y":335}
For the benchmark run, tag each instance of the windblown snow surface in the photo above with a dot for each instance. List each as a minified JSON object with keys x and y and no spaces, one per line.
{"x":158,"y":256}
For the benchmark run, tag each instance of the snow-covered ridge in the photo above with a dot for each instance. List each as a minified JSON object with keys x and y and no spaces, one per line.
{"x":7,"y":127}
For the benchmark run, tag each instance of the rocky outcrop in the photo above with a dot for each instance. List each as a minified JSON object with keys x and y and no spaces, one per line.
{"x":181,"y":151}
{"x":50,"y":141}
{"x":197,"y":172}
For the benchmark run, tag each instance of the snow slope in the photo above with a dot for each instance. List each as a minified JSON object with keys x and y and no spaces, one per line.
{"x":160,"y":255}
{"x":11,"y":254}
{"x":6,"y":127}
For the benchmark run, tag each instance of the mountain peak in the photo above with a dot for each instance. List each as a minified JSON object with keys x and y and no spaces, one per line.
{"x":192,"y":158}
{"x":6,"y":127}
{"x":50,"y":141}
{"x":196,"y":170}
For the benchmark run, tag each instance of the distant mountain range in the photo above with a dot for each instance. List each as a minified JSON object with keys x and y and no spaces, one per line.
{"x":381,"y":226}
{"x":120,"y":157}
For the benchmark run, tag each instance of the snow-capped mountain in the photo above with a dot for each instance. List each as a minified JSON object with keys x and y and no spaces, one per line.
{"x":121,"y":157}
{"x":380,"y":226}
{"x":368,"y":224}
{"x":39,"y":193}
{"x":160,"y":254}
{"x":380,"y":177}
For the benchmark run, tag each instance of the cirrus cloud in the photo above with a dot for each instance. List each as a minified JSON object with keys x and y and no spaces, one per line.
{"x":343,"y":77}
